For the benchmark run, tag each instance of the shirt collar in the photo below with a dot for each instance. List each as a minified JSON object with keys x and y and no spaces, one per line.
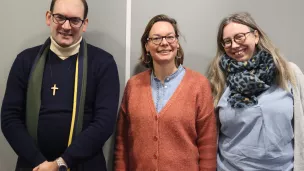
{"x":170,"y":77}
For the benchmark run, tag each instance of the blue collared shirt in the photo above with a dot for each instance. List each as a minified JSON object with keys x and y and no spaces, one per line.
{"x":162,"y":92}
{"x":258,"y":137}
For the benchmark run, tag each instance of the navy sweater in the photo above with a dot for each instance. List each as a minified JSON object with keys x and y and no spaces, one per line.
{"x":101,"y":102}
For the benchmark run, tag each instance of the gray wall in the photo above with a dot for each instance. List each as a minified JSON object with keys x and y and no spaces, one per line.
{"x":23,"y":25}
{"x":198,"y":21}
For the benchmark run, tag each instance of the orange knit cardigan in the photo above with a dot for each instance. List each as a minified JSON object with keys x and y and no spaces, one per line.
{"x":182,"y":137}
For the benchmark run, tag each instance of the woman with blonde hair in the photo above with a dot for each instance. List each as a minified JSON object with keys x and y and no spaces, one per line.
{"x":258,"y":100}
{"x":166,"y":120}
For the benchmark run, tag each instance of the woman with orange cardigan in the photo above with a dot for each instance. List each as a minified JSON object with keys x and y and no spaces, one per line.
{"x":166,"y":119}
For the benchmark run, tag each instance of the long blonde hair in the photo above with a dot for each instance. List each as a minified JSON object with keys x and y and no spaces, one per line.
{"x":218,"y":78}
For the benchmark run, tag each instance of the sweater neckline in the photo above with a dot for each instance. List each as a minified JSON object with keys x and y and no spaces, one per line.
{"x":172,"y":98}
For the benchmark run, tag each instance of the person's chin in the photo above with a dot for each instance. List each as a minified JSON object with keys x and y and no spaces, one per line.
{"x":65,"y":43}
{"x":166,"y":57}
{"x":241,"y":58}
{"x":165,"y":60}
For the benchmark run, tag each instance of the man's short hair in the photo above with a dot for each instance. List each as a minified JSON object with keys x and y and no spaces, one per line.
{"x":85,"y":4}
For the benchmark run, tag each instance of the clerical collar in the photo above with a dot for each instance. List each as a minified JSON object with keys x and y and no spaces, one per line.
{"x":64,"y":52}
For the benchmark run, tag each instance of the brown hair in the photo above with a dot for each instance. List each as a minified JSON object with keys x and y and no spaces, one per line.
{"x":85,"y":4}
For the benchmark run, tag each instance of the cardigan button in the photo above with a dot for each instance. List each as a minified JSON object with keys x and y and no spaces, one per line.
{"x":156,"y":118}
{"x":155,"y":138}
{"x":155,"y":156}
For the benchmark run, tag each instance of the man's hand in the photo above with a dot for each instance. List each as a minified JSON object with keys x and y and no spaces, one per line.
{"x":47,"y":166}
{"x":36,"y":168}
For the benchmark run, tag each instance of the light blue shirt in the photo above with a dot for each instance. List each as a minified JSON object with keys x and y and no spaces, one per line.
{"x":162,"y":92}
{"x":258,"y":137}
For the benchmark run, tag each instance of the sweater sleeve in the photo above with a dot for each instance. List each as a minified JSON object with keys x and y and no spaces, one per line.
{"x":298,"y":92}
{"x":13,"y":114}
{"x":206,"y":129}
{"x":299,"y":80}
{"x":121,"y":146}
{"x":90,"y":141}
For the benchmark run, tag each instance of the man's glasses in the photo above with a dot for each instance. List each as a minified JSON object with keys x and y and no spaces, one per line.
{"x":238,"y":38}
{"x":158,"y":39}
{"x":61,"y":19}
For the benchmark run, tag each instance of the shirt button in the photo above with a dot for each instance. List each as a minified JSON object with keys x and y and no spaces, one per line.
{"x":155,"y":138}
{"x":166,"y":86}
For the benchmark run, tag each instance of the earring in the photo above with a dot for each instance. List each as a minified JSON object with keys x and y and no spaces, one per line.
{"x":148,"y":56}
{"x":177,"y":55}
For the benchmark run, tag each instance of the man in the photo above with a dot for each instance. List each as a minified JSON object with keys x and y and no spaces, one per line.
{"x":61,"y":97}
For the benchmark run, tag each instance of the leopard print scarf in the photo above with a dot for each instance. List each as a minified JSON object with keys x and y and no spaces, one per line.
{"x":248,"y":79}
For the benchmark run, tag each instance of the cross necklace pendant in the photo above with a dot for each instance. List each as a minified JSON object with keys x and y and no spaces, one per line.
{"x":54,"y":88}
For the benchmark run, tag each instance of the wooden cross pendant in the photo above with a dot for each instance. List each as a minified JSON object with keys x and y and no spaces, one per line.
{"x":54,"y":88}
